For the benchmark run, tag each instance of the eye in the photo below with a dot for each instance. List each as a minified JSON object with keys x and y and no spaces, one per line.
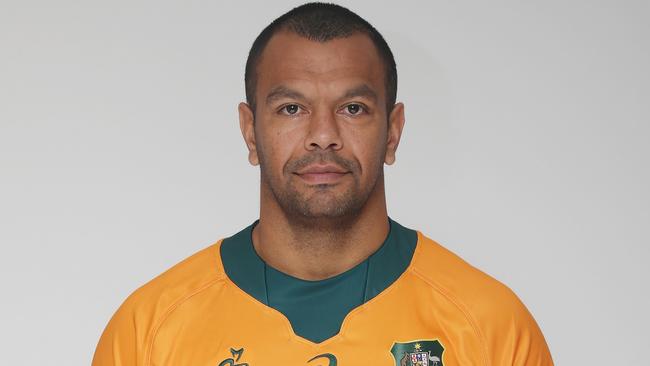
{"x":354,"y":109}
{"x":290,"y":109}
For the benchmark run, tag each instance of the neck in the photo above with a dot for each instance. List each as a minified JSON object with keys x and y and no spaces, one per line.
{"x":324,"y":248}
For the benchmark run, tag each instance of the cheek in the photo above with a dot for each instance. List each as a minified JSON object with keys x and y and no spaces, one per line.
{"x":277,"y":147}
{"x":369,"y":148}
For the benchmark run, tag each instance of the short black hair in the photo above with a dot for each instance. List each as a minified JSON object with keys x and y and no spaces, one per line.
{"x":321,"y":22}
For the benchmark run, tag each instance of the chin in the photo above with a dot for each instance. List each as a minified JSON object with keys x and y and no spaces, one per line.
{"x":325,"y":213}
{"x":327,"y":208}
{"x":321,"y":204}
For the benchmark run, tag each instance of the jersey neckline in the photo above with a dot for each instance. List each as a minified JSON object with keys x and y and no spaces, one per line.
{"x":246,"y":269}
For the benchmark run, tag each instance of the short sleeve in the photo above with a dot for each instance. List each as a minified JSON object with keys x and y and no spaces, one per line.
{"x":513,"y":336}
{"x":122,"y":341}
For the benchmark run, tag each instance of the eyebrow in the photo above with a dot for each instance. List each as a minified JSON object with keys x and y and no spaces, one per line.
{"x":281,"y":92}
{"x":362,"y":90}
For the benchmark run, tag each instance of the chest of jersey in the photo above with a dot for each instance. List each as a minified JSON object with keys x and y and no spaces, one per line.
{"x":409,"y":324}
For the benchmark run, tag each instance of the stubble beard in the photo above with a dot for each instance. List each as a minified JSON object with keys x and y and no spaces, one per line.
{"x":322,"y":206}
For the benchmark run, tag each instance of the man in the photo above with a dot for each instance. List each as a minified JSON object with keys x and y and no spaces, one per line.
{"x":324,"y":277}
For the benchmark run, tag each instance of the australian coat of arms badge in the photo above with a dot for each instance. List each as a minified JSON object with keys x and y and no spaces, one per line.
{"x":418,"y":353}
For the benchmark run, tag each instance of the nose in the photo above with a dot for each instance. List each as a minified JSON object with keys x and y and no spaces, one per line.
{"x":323,"y":132}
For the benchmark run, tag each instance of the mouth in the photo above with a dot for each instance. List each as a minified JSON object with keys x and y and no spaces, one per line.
{"x":322,"y":174}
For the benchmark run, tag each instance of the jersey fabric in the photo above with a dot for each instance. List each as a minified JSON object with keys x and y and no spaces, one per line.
{"x":419,"y":305}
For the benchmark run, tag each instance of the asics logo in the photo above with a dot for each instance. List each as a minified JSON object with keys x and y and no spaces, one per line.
{"x":331,"y":359}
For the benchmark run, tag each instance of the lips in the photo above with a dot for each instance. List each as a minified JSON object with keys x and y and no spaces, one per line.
{"x":321,"y":169}
{"x":322,"y":174}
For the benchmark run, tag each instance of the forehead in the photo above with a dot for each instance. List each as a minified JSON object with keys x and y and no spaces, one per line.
{"x":289,"y":59}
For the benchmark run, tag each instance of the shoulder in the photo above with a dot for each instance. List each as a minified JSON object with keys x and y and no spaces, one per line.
{"x":500,"y":320}
{"x":456,"y":278}
{"x":186,"y":276}
{"x":134,"y":324}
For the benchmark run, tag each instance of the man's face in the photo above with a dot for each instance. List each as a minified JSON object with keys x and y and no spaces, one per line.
{"x":321,"y":131}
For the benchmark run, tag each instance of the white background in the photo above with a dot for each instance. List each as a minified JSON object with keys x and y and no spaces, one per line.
{"x":526,"y":151}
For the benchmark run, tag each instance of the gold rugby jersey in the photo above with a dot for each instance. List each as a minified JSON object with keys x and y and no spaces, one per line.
{"x":435,"y":310}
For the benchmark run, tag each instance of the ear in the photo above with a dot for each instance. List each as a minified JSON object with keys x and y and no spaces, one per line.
{"x":395,"y":126}
{"x":246,"y":124}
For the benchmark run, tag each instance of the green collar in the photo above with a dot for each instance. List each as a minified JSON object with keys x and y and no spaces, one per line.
{"x":316,"y":309}
{"x":247,"y":270}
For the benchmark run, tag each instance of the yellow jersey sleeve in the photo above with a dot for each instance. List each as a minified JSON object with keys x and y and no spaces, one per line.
{"x":122,"y":340}
{"x":506,"y":332}
{"x":511,"y":334}
{"x":129,"y":337}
